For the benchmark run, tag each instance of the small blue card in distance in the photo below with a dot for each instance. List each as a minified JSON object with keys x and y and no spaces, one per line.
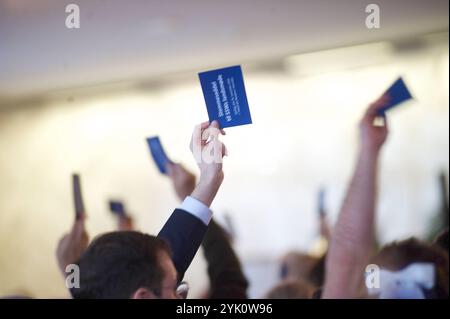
{"x":158,"y":153}
{"x":398,"y":93}
{"x":321,"y":201}
{"x":117,"y":207}
{"x":225,"y":97}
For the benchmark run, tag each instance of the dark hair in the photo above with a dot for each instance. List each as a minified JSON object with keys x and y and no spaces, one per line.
{"x":317,"y":274}
{"x":116,"y":264}
{"x":291,"y":289}
{"x":398,"y":255}
{"x":441,"y":240}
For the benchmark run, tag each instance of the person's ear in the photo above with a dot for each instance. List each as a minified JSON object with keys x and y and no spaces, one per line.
{"x":143,"y":293}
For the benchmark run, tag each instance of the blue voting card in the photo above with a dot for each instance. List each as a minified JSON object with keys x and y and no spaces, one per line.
{"x":77,"y":196}
{"x":225,"y":97}
{"x":398,"y":93}
{"x":117,"y":208}
{"x":158,"y":153}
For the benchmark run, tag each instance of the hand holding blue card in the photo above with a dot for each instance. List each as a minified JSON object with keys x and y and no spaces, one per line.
{"x":158,"y":154}
{"x":225,"y":97}
{"x":397,"y":93}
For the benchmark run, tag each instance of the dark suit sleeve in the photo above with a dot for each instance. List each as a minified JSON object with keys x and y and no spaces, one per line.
{"x":227,"y":280}
{"x":184,"y":233}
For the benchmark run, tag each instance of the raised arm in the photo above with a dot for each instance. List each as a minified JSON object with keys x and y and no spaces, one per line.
{"x":353,"y":235}
{"x":227,"y":279}
{"x":186,"y":228}
{"x":72,"y":245}
{"x":225,"y":273}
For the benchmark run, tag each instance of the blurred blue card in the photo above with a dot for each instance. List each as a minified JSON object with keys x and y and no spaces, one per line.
{"x":321,"y":202}
{"x":158,"y":153}
{"x":225,"y":97}
{"x":398,"y":93}
{"x":117,"y":208}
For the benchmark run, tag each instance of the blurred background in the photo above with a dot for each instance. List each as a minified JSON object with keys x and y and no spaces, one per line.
{"x":85,"y":99}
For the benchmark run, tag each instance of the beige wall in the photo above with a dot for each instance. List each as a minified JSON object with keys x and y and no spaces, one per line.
{"x":303,"y":136}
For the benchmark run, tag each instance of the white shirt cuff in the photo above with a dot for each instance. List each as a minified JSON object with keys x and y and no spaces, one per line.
{"x":197,"y":209}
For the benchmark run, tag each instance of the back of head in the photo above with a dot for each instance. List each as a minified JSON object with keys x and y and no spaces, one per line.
{"x":118,"y":263}
{"x":398,"y":256}
{"x":296,"y":265}
{"x":291,"y":289}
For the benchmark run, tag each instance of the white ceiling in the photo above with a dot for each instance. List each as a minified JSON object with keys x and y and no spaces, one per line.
{"x":133,"y":40}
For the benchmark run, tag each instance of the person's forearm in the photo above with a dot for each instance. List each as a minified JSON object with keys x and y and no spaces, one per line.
{"x":352,"y":237}
{"x":194,"y":215}
{"x":354,"y":229}
{"x":182,"y":195}
{"x":207,"y":188}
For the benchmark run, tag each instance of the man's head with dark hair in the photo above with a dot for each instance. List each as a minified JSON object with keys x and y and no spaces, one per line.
{"x":399,"y":255}
{"x":126,"y":264}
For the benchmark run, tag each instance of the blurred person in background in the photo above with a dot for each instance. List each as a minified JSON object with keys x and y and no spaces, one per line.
{"x":302,"y":273}
{"x":353,"y":235}
{"x":407,"y":269}
{"x":411,"y":269}
{"x":291,"y":289}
